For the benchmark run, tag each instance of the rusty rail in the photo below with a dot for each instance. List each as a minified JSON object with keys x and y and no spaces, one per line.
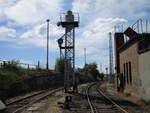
{"x":92,"y":106}
{"x":111,"y":101}
{"x":41,"y":96}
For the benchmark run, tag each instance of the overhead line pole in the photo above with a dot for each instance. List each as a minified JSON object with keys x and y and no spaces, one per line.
{"x":47,"y":64}
{"x":110,"y":56}
{"x":85,"y":56}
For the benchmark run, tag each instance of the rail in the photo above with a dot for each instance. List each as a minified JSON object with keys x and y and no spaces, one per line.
{"x":38,"y":97}
{"x":110,"y":100}
{"x":92,"y":106}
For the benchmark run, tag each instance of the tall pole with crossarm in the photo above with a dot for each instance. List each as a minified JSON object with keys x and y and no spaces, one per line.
{"x":47,"y":65}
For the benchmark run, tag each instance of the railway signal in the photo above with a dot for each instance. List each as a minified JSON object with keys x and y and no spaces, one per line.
{"x":69,"y":21}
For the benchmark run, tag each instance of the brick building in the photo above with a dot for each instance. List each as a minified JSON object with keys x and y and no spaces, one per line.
{"x":133,"y":63}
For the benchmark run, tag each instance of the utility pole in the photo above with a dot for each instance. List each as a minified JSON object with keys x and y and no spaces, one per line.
{"x":110,"y":56}
{"x":146,"y":25}
{"x":100,"y":66}
{"x":106,"y":72}
{"x":38,"y":65}
{"x":84,"y":56}
{"x":47,"y":65}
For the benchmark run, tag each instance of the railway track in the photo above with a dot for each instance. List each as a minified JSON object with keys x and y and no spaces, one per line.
{"x":103,"y":104}
{"x":8,"y":103}
{"x":20,"y":105}
{"x":91,"y":104}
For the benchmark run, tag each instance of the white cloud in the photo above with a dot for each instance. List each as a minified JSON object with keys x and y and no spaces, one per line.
{"x":132,"y":9}
{"x":4,"y":4}
{"x":40,"y":31}
{"x":37,"y":31}
{"x":98,"y":18}
{"x":27,"y":12}
{"x":94,"y":37}
{"x":37,"y":36}
{"x":25,"y":62}
{"x":7,"y":34}
{"x":95,"y":34}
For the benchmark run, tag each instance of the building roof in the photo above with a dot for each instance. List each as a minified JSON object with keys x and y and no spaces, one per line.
{"x":143,"y":41}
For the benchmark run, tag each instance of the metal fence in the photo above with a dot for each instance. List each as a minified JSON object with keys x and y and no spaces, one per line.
{"x":22,"y":64}
{"x":141,"y":26}
{"x":63,"y":17}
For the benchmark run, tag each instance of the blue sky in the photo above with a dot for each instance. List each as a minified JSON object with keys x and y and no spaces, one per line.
{"x":23,"y":27}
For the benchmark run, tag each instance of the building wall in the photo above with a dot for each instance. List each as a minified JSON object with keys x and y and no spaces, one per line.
{"x":118,"y":42}
{"x":130,"y":57}
{"x":133,"y":60}
{"x":144,"y":69}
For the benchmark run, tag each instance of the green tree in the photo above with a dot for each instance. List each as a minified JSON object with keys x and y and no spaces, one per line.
{"x":10,"y":72}
{"x":60,"y":65}
{"x":101,"y":76}
{"x":12,"y":66}
{"x":90,"y":70}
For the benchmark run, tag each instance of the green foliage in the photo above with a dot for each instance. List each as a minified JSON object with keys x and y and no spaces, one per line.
{"x":101,"y":76}
{"x":127,"y":94}
{"x":112,"y":79}
{"x":60,"y":65}
{"x":147,"y":103}
{"x":10,"y":72}
{"x":13,"y":66}
{"x":7,"y":78}
{"x":111,"y":85}
{"x":91,"y":70}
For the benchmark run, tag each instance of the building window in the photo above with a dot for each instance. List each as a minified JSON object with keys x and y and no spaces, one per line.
{"x":124,"y":72}
{"x":130,"y":73}
{"x":127,"y":70}
{"x":127,"y":75}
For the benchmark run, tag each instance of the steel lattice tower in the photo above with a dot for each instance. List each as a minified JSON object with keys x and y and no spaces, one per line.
{"x":69,"y":21}
{"x":111,"y":68}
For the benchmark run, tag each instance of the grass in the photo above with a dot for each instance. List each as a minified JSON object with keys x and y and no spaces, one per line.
{"x":9,"y":73}
{"x":12,"y":72}
{"x":112,"y":85}
{"x":111,"y":82}
{"x":147,"y":102}
{"x":127,"y":94}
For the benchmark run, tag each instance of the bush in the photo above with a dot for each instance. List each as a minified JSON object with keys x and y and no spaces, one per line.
{"x":101,"y":76}
{"x":7,"y":78}
{"x":91,"y":70}
{"x":112,"y":79}
{"x":127,"y":94}
{"x":13,"y":67}
{"x":60,"y":65}
{"x":10,"y":72}
{"x":147,"y":102}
